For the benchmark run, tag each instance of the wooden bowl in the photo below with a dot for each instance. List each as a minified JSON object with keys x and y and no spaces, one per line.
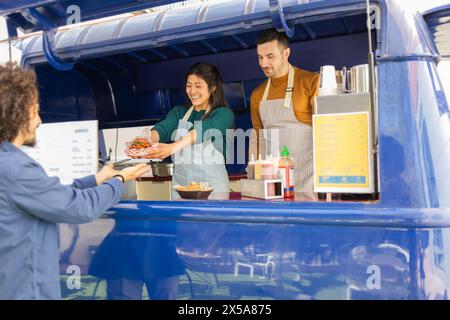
{"x":194,"y":194}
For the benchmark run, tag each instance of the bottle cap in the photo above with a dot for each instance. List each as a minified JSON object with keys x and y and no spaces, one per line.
{"x":285,"y":152}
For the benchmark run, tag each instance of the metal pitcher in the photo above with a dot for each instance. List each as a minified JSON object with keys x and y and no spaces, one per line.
{"x":356,"y":79}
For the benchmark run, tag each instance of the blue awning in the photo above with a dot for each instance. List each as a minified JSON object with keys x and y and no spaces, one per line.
{"x":225,"y":26}
{"x":56,"y":12}
{"x":210,"y":27}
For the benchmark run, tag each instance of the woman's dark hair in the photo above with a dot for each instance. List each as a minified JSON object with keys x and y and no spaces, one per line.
{"x":18,"y":93}
{"x":213,"y":79}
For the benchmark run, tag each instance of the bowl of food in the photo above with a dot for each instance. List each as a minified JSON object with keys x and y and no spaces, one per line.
{"x":195,"y":190}
{"x":139,"y":148}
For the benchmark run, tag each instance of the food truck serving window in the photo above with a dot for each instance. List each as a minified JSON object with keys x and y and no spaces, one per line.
{"x":135,"y":85}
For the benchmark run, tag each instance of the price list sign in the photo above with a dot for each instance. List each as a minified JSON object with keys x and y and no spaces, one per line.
{"x":342,"y":161}
{"x":67,"y":150}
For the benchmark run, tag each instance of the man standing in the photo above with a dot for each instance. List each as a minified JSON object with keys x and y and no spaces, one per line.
{"x":284,"y":102}
{"x":31,"y":203}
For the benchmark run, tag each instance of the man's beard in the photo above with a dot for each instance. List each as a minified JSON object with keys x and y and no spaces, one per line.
{"x":30,"y":142}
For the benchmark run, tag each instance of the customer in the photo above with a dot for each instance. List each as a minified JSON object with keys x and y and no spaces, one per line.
{"x":31,"y":203}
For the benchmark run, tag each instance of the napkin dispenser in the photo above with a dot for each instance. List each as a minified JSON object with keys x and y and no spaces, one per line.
{"x":262,"y":189}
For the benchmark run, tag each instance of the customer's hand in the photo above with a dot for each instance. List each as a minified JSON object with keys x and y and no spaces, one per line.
{"x":131,"y":173}
{"x":106,"y":173}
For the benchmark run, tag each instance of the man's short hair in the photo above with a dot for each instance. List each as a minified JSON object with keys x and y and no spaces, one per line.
{"x":272,"y":34}
{"x":18,"y":93}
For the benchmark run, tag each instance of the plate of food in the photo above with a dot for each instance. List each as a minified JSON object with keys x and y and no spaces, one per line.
{"x":139,"y":148}
{"x":195,"y":190}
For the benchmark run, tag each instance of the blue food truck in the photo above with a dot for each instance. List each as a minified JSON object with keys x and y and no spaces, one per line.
{"x":393,"y":243}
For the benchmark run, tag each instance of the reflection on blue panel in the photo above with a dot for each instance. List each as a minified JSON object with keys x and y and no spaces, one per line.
{"x":196,"y":260}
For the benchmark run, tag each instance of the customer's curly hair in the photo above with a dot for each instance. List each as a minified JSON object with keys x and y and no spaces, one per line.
{"x":18,"y":92}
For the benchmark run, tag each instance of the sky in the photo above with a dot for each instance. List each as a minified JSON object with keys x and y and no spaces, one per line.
{"x":423,"y":5}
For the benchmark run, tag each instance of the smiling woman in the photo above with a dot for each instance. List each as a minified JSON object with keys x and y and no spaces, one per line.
{"x":196,"y":134}
{"x":197,"y":91}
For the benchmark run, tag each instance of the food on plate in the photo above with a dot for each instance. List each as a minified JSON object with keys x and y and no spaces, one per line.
{"x":194,"y":186}
{"x":140,"y":143}
{"x":140,"y":147}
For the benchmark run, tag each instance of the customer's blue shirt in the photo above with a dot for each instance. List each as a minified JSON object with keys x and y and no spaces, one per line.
{"x":31,"y":205}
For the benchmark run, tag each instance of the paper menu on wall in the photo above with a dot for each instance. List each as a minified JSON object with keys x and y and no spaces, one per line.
{"x":342,"y":161}
{"x":67,"y":150}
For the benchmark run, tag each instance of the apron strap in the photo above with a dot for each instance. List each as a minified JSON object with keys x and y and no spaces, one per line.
{"x":188,"y":114}
{"x":289,"y":88}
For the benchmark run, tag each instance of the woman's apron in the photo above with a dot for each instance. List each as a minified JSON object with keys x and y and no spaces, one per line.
{"x":279,"y":115}
{"x":200,"y":162}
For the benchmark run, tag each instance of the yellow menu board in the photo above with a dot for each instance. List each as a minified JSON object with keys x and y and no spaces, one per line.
{"x":342,"y":161}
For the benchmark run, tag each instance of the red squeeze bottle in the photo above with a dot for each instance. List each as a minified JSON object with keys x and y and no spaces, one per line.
{"x":286,"y":171}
